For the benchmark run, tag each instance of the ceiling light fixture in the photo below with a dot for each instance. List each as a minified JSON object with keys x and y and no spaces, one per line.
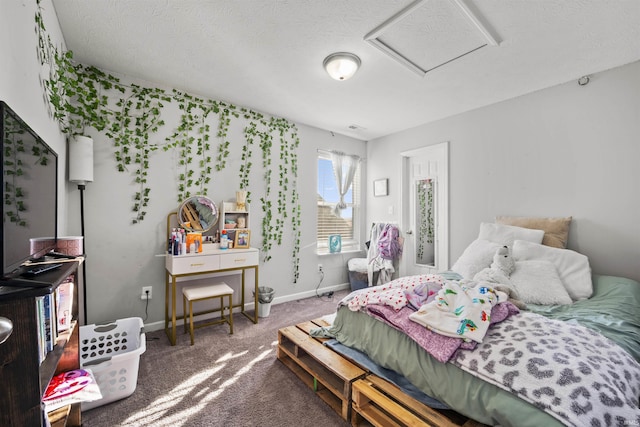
{"x":341,"y":65}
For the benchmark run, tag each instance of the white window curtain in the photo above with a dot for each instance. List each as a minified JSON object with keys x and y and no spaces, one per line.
{"x":344,"y":169}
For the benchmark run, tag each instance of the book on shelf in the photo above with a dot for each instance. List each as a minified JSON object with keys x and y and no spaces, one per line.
{"x":75,"y":386}
{"x":50,"y":322}
{"x":42,"y":345}
{"x":55,"y":313}
{"x":64,"y":304}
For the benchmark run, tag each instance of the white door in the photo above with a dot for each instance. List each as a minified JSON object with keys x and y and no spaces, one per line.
{"x":425,"y":210}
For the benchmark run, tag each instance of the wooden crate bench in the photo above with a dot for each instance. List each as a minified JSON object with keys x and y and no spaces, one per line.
{"x":323,"y":370}
{"x":379,"y":403}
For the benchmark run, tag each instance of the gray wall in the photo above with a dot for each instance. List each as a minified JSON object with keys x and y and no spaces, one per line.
{"x":123,"y":257}
{"x":568,"y":150}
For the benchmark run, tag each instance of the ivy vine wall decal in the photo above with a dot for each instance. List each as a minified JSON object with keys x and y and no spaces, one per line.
{"x":82,"y":96}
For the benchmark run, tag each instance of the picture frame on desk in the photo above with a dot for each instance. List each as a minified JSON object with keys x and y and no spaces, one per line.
{"x":242,"y":239}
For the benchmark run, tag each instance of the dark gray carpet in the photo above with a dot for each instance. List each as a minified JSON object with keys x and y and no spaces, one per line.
{"x":223,"y":380}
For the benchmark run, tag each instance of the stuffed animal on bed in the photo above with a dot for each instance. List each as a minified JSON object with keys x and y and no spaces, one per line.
{"x":501,"y":267}
{"x":498,"y":275}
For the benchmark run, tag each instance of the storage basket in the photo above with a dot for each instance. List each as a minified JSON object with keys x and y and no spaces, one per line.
{"x":358,"y":270}
{"x":112,"y":352}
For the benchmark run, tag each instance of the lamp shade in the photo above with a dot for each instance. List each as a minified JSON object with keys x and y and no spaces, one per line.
{"x":80,"y":159}
{"x":341,"y":65}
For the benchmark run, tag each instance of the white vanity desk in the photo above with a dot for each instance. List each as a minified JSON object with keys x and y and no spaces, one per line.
{"x":212,"y":259}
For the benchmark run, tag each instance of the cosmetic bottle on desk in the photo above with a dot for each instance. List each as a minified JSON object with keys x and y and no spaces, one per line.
{"x":224,"y":240}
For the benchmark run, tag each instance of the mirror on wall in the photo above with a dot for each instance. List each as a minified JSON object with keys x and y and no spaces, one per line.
{"x":198,"y":214}
{"x":425,"y":222}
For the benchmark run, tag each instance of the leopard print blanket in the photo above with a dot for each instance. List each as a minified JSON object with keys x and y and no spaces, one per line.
{"x":572,"y":372}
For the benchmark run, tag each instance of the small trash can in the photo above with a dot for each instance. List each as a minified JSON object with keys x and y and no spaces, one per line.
{"x":265,"y":296}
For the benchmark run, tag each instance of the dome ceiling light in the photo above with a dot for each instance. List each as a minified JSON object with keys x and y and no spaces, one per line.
{"x":341,"y":65}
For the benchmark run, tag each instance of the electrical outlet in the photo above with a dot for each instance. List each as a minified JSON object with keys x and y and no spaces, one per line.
{"x":320,"y":268}
{"x":147,"y":292}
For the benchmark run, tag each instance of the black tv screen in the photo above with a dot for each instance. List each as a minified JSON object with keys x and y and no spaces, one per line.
{"x":29,"y":193}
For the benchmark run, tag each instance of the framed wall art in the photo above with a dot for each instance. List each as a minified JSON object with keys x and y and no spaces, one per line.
{"x":381,"y":187}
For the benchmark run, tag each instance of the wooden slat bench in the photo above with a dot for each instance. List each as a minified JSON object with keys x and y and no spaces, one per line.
{"x":354,"y":393}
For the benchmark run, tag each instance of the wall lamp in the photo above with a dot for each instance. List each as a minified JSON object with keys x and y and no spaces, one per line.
{"x":341,"y":65}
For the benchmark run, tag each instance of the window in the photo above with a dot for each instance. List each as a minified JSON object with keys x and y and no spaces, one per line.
{"x":347,"y":224}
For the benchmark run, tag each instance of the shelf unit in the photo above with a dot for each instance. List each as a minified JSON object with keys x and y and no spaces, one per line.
{"x":229,"y":211}
{"x":24,"y":378}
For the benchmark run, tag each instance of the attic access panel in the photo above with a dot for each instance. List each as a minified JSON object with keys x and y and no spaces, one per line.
{"x":428,"y":34}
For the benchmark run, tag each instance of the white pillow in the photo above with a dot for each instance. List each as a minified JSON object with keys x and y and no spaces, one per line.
{"x":477,"y":256}
{"x":507,"y":234}
{"x":537,"y":282}
{"x":573,"y":267}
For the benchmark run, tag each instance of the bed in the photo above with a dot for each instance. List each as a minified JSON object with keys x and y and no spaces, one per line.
{"x":548,"y":364}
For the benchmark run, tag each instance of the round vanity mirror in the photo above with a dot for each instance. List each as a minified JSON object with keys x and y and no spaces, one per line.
{"x":198,"y":214}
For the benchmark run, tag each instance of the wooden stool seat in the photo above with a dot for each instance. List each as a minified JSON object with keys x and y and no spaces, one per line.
{"x":205,"y":292}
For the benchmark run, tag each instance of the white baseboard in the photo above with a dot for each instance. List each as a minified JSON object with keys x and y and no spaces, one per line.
{"x":157,"y":326}
{"x":309,"y":294}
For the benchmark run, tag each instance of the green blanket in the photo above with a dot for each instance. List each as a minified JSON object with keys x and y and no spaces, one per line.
{"x":613,"y":310}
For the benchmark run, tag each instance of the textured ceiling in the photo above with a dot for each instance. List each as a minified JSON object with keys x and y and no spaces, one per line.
{"x":267,"y":54}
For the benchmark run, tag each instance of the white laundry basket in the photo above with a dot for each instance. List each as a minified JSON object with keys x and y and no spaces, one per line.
{"x":112,"y":352}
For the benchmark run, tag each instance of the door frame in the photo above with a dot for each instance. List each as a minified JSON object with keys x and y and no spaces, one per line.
{"x":440,"y":152}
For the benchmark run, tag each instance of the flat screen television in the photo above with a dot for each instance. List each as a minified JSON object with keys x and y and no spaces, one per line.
{"x":29,"y":193}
